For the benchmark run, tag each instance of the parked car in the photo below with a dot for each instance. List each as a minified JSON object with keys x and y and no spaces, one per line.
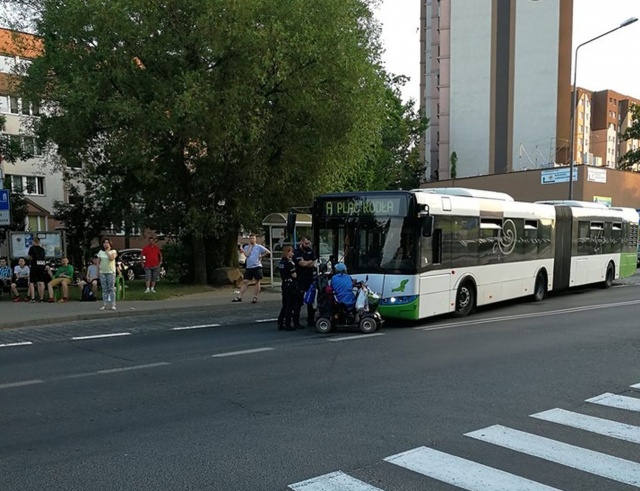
{"x":130,"y":262}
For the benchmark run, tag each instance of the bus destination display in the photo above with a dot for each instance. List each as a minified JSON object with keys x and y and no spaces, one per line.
{"x":368,"y":206}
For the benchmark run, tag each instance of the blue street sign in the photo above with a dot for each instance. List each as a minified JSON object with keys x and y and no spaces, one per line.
{"x":4,"y":199}
{"x":5,"y":217}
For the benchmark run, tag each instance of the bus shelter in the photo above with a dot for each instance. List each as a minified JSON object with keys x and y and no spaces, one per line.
{"x":276,"y":237}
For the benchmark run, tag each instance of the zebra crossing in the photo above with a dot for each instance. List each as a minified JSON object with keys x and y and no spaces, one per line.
{"x":474,"y":476}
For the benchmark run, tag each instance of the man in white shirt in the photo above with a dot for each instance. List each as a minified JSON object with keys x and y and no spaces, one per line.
{"x":254,"y":253}
{"x":21,"y":273}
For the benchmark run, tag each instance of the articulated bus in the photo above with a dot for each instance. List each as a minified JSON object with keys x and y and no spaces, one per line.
{"x":437,"y":251}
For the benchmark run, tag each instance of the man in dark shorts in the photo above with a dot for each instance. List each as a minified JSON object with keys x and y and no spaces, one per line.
{"x":37,"y":275}
{"x":254,"y":253}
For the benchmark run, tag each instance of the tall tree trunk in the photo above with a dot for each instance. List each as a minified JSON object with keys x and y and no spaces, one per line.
{"x":199,"y":260}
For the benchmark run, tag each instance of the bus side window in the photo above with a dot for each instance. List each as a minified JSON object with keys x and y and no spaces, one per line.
{"x":437,"y":246}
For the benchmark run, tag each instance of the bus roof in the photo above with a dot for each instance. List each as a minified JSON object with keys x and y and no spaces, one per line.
{"x":467,"y":192}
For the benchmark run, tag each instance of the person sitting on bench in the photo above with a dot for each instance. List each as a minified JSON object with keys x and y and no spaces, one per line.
{"x":63,"y":278}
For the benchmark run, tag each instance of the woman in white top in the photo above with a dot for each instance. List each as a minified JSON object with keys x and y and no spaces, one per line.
{"x":107,"y":269}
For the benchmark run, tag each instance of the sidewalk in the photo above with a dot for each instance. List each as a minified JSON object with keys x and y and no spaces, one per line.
{"x":37,"y":314}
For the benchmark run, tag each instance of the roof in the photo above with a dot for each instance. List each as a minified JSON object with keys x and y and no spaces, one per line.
{"x":15,"y":43}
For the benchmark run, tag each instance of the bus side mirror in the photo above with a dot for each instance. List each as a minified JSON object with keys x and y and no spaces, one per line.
{"x":427,"y":226}
{"x":291,"y":223}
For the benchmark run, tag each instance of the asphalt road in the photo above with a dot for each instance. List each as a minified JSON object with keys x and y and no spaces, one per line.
{"x":245,"y":407}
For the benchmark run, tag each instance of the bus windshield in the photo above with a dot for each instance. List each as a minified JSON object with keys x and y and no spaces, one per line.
{"x":369,"y":245}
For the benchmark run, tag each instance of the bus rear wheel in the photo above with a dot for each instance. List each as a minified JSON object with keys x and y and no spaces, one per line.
{"x":540,"y":287}
{"x":609,"y":276}
{"x":465,"y":299}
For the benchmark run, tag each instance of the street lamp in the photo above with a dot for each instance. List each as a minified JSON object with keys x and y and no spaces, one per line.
{"x":574,"y":102}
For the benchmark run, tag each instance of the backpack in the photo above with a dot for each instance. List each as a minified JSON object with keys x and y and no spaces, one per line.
{"x":87,"y":294}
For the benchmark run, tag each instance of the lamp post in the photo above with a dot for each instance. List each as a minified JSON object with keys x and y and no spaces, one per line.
{"x":574,"y":101}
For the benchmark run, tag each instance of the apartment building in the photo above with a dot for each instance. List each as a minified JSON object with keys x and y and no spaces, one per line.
{"x":41,"y":184}
{"x":610,"y":118}
{"x":495,"y":84}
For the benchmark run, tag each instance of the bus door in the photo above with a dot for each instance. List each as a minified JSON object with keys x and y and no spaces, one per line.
{"x":436,"y":279}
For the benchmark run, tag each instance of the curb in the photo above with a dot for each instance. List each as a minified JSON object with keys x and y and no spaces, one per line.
{"x":112,"y":315}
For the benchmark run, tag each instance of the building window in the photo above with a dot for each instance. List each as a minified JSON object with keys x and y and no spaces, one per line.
{"x":30,"y":185}
{"x":13,"y":103}
{"x":37,"y":224}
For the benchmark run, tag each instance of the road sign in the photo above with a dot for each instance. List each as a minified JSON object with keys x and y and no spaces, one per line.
{"x":5,"y":214}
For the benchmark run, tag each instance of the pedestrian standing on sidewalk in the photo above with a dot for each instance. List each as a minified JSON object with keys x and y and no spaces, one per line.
{"x":152,"y":259}
{"x":107,"y":257}
{"x":37,"y":276}
{"x":305,"y":262}
{"x":254,"y":253}
{"x":287,"y":268}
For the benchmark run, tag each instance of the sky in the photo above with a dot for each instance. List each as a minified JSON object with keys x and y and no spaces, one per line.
{"x":609,"y":63}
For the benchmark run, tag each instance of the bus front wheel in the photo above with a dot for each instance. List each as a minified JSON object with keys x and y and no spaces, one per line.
{"x":609,"y":276}
{"x":465,"y":299}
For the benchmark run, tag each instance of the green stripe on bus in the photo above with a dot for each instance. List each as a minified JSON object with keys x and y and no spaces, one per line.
{"x":407,"y":311}
{"x":628,"y":264}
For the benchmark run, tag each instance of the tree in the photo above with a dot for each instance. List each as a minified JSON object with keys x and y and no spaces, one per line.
{"x":208,"y":114}
{"x":632,"y":157}
{"x":84,"y":217}
{"x":454,"y":167}
{"x":393,"y":162}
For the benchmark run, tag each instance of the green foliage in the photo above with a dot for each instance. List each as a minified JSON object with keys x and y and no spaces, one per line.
{"x":209,"y":115}
{"x":454,"y":165}
{"x":83,"y":218}
{"x":632,"y":157}
{"x":394,"y":160}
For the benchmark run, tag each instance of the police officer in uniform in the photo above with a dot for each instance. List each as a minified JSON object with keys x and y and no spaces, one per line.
{"x":289,"y":291}
{"x":305,"y":262}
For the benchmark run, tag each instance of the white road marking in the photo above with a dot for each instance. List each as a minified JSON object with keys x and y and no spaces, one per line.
{"x":20,"y":384}
{"x":267,"y":320}
{"x":600,"y":426}
{"x":529,"y":315}
{"x":97,"y":336}
{"x":597,"y":463}
{"x":358,"y":336}
{"x":203,"y":326}
{"x":245,"y":352}
{"x":135,"y":367}
{"x":462,"y":473}
{"x":8,"y":345}
{"x":619,"y":402}
{"x":336,"y":481}
{"x":635,"y":386}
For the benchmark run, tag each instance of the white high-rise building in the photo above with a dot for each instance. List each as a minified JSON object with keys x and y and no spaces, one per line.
{"x":495,"y":84}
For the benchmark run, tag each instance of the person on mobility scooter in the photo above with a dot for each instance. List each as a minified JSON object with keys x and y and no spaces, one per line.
{"x":347,"y":303}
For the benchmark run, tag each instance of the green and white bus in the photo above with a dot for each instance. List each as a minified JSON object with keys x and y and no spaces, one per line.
{"x":436,"y":251}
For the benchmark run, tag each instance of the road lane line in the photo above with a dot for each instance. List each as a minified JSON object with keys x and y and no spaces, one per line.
{"x":357,"y":336}
{"x":336,"y":481}
{"x":267,"y":320}
{"x":97,"y":336}
{"x":635,"y":386}
{"x":203,"y":326}
{"x":619,"y":402}
{"x":9,"y":345}
{"x":135,"y":367}
{"x":597,"y":463}
{"x":244,"y":352}
{"x":529,"y":315}
{"x":462,"y":473}
{"x":600,"y":426}
{"x":21,"y":384}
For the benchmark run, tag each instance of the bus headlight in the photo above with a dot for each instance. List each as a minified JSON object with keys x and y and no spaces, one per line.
{"x":399,"y":300}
